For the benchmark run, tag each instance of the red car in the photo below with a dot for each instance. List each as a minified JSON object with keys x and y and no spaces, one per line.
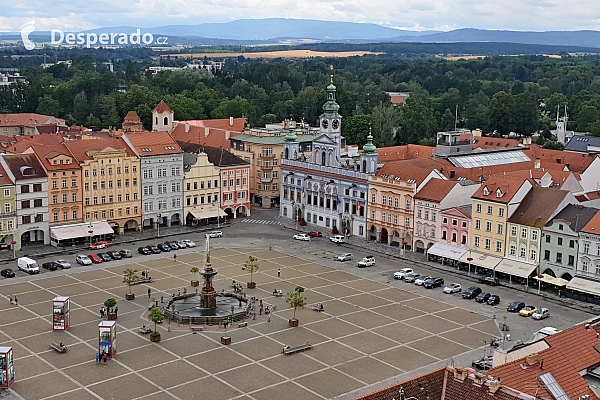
{"x":315,"y":234}
{"x":95,"y":258}
{"x":100,"y":245}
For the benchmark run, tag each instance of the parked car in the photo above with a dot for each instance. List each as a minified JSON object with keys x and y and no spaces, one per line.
{"x":50,"y":266}
{"x":515,"y":306}
{"x":402,"y":273}
{"x":126,"y":253}
{"x":412,"y":277}
{"x":173,"y":245}
{"x":64,"y":264}
{"x":528,"y":311}
{"x":182,"y":244}
{"x":484,"y":363}
{"x":421,"y":280}
{"x":154,"y":249}
{"x":367,"y":261}
{"x":302,"y":236}
{"x":144,"y":250}
{"x":433,"y":282}
{"x":95,"y":259}
{"x":105,"y":257}
{"x":115,"y":255}
{"x":189,"y":243}
{"x":82,"y":259}
{"x":489,"y":280}
{"x":471,"y":292}
{"x":337,"y":239}
{"x":214,"y":234}
{"x":345,"y":257}
{"x":482,"y":297}
{"x":453,"y":288}
{"x":28,"y":265}
{"x":100,"y":245}
{"x":164,"y":247}
{"x":315,"y":234}
{"x":541,"y":313}
{"x":7,"y":273}
{"x":493,"y":300}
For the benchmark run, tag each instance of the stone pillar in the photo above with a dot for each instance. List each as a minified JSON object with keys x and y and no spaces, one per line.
{"x":390,"y":238}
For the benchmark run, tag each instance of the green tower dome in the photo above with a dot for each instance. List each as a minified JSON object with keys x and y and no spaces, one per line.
{"x":369,"y":148}
{"x":291,"y":135}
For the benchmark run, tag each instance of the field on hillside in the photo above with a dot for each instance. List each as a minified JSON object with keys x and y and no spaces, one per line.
{"x":276,"y":54}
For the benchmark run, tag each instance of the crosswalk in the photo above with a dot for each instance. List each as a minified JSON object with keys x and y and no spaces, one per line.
{"x":260,"y":221}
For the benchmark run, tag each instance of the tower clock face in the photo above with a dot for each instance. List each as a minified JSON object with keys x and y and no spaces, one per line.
{"x":335,"y":124}
{"x":325,"y":124}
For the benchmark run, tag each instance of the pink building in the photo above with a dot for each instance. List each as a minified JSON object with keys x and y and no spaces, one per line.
{"x":455,"y":225}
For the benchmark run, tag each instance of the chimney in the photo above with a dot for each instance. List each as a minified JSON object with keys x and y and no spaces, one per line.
{"x":227,"y":134}
{"x":495,"y":385}
{"x":558,"y":160}
{"x":231,"y":121}
{"x":206,"y":131}
{"x":187,"y":128}
{"x":538,"y":163}
{"x":452,"y":173}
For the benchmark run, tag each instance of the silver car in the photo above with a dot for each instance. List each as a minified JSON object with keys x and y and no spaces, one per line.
{"x":421,"y":280}
{"x":345,"y":257}
{"x":83,"y":260}
{"x":453,"y":288}
{"x":64,"y":264}
{"x":182,"y":244}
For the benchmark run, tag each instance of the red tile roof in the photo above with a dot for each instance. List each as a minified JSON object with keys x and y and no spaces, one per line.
{"x":46,"y":153}
{"x":435,"y":190}
{"x":571,"y":351}
{"x":80,"y":148}
{"x":25,"y":119}
{"x":484,"y":142}
{"x":162,"y":107}
{"x":508,"y":185}
{"x":197,"y":134}
{"x":417,"y":169}
{"x":4,"y":178}
{"x":152,"y":143}
{"x":406,"y":152}
{"x":593,"y":225}
{"x":17,"y":164}
{"x":556,"y":159}
{"x":132,"y":116}
{"x":538,"y":205}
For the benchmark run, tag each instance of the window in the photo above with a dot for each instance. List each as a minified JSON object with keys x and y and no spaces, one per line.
{"x":572,"y":244}
{"x":500,"y":230}
{"x":532,"y":254}
{"x":54,"y":184}
{"x":373,"y":197}
{"x":522,"y":252}
{"x":560,"y":241}
{"x":7,"y":208}
{"x":560,"y":227}
{"x":490,"y":210}
{"x":534,"y":235}
{"x":54,"y":199}
{"x":382,"y":217}
{"x":584,"y":264}
{"x":407,"y":222}
{"x":24,"y":188}
{"x":73,"y":197}
{"x":478,"y":224}
{"x":37,"y":187}
{"x":86,"y":173}
{"x":408,"y":204}
{"x":37,"y":202}
{"x":175,"y":171}
{"x":498,"y":246}
{"x":488,"y":226}
{"x":389,"y":218}
{"x":65,"y":215}
{"x":396,"y":202}
{"x":464,"y":239}
{"x":547,"y":238}
{"x":103,"y":199}
{"x":571,"y":260}
{"x":64,"y":183}
{"x":6,"y":192}
{"x":547,"y":255}
{"x":559,"y":258}
{"x":433,"y":216}
{"x":161,"y":172}
{"x":95,"y":185}
{"x":384,"y":200}
{"x":513,"y":250}
{"x":501,"y":212}
{"x":395,"y":220}
{"x":65,"y":197}
{"x":488,"y":243}
{"x":477,"y":239}
{"x":524,"y":233}
{"x":176,"y":187}
{"x":478,"y":207}
{"x":513,"y":231}
{"x":372,"y":214}
{"x":586,"y":248}
{"x":444,"y":234}
{"x":86,"y":186}
{"x":419,"y":214}
{"x":87,"y":201}
{"x":118,"y":170}
{"x":55,"y":216}
{"x":162,"y":188}
{"x":95,"y":200}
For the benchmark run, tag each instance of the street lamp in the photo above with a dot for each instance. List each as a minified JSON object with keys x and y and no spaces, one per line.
{"x":158,"y":217}
{"x":90,"y":232}
{"x":14,"y":248}
{"x":469,"y":260}
{"x":404,"y":248}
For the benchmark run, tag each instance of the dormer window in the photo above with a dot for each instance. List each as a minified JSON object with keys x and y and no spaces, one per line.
{"x":499,"y":193}
{"x":486,"y":191}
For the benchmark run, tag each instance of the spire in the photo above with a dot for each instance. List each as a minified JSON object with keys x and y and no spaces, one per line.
{"x":291,"y":135}
{"x":369,"y":148}
{"x":331,"y":107}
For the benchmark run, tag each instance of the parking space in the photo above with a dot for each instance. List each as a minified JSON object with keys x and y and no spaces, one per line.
{"x":368,"y":331}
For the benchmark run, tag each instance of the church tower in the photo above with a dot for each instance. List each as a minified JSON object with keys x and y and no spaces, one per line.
{"x":368,"y":158}
{"x":330,"y":120}
{"x":291,"y":146}
{"x":162,"y":117}
{"x":561,"y":126}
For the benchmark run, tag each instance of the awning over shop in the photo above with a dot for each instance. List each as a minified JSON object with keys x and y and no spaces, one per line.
{"x":208,"y":212}
{"x":552,"y":280}
{"x":480,"y":259}
{"x":65,"y":232}
{"x":584,"y":285}
{"x":447,"y":251}
{"x":516,"y":268}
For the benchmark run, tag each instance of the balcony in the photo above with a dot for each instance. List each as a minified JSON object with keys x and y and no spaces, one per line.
{"x":263,"y":155}
{"x":266,"y":180}
{"x":453,"y":143}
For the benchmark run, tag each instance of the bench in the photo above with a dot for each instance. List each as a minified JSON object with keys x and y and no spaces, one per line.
{"x":197,"y":328}
{"x":145,"y":331}
{"x":242,"y":324}
{"x":58,"y":348}
{"x":141,"y":281}
{"x":278,"y":293}
{"x":292,"y":350}
{"x":317,"y":307}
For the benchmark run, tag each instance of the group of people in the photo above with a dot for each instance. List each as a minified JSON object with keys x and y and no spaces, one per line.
{"x":146,"y":275}
{"x":62,"y":346}
{"x":277,"y":292}
{"x":105,"y":311}
{"x":101,"y":357}
{"x":15,"y":299}
{"x":237,"y":287}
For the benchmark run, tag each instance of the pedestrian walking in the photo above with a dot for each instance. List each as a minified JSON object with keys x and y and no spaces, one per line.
{"x":269,"y":318}
{"x":11,"y":299}
{"x":16,"y":301}
{"x":116,"y":311}
{"x":149,"y":292}
{"x":143,"y":274}
{"x":184,"y":291}
{"x":175,"y":257}
{"x":105,"y":357}
{"x":97,"y":358}
{"x":101,"y":312}
{"x":279,"y":272}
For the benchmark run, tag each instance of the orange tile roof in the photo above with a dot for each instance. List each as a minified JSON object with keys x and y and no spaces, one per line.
{"x":508,"y":185}
{"x":435,"y":190}
{"x":46,"y":153}
{"x":132,"y":116}
{"x":557,"y":159}
{"x":4,"y":178}
{"x":196,"y":134}
{"x":593,"y":225}
{"x":80,"y":148}
{"x":16,"y":162}
{"x":417,"y":169}
{"x":485,"y":142}
{"x":24,"y":119}
{"x":571,"y":351}
{"x":162,"y":107}
{"x":405,"y":152}
{"x":42,"y":139}
{"x":239,"y":124}
{"x":153,"y":143}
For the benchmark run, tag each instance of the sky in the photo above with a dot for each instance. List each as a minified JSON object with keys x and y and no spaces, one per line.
{"x":523,"y":15}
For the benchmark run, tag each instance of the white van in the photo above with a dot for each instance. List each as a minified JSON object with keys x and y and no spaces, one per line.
{"x":28,"y":265}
